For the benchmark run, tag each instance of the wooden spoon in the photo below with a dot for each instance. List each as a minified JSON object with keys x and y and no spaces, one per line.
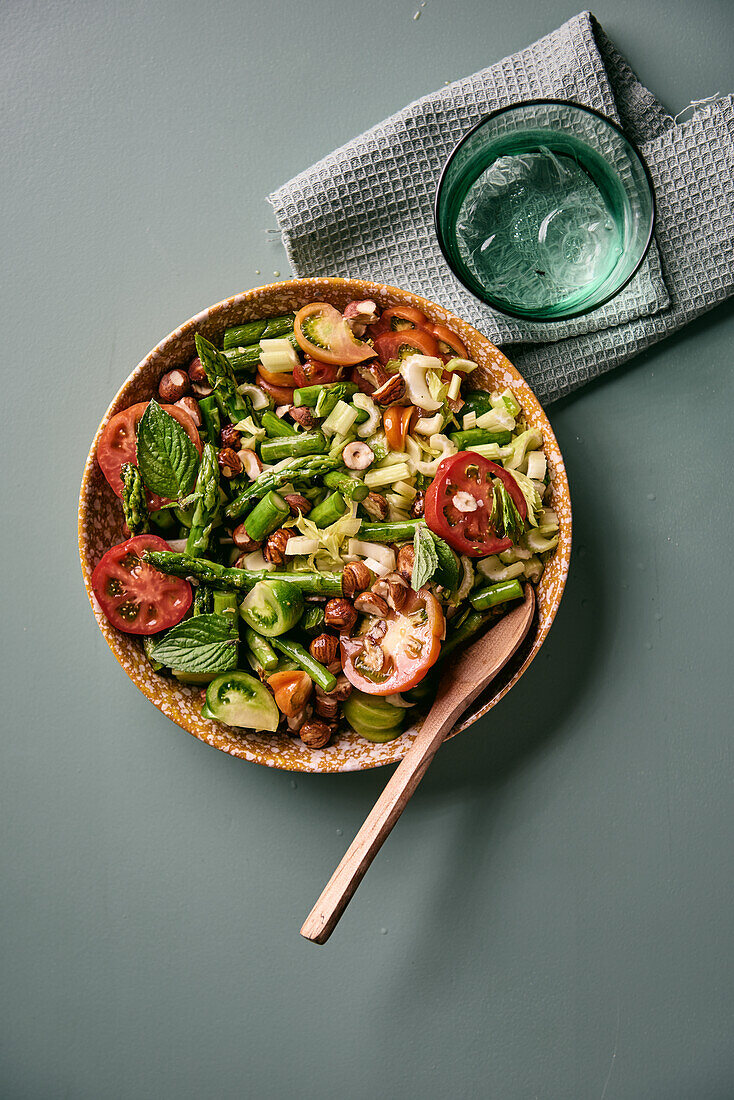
{"x":464,"y":678}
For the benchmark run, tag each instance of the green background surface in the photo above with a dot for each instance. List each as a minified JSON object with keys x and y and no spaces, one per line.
{"x":552,"y":917}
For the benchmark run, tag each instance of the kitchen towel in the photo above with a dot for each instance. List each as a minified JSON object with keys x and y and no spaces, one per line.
{"x":366,"y":210}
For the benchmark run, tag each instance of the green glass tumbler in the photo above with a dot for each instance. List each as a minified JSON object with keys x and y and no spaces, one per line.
{"x":545,"y":210}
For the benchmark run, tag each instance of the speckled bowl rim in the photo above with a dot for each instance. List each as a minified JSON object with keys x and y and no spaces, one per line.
{"x":100,"y":525}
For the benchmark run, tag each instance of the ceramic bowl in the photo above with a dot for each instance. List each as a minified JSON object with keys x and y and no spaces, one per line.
{"x":100,"y":524}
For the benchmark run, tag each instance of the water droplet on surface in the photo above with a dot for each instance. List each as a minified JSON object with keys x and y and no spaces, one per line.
{"x":340,"y":832}
{"x":257,"y":270}
{"x":417,"y":15}
{"x":640,"y":565}
{"x":648,"y":645}
{"x":584,"y":603}
{"x":294,"y":785}
{"x":276,"y":273}
{"x":624,"y":584}
{"x":383,"y":931}
{"x":658,"y":617}
{"x":651,"y":496}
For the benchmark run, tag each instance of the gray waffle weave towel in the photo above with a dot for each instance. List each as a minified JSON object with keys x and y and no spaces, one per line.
{"x":366,"y":210}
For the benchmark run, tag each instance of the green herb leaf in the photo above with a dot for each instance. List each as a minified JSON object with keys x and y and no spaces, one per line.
{"x":206,"y":643}
{"x":507,"y":519}
{"x":167,"y":458}
{"x":425,"y":560}
{"x":447,"y":571}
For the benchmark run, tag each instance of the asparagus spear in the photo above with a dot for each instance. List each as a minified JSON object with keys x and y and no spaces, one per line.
{"x":347,"y":486}
{"x":221,"y":377}
{"x":266,"y":516}
{"x":496,"y":594}
{"x":269,"y":328}
{"x":328,"y":511}
{"x":300,"y":469}
{"x":243,"y":359}
{"x":212,"y":421}
{"x":276,"y":427}
{"x":209,"y":572}
{"x":206,"y":503}
{"x":298,"y":653}
{"x":203,"y":601}
{"x":133,"y":500}
{"x":293,"y":446}
{"x":388,"y":532}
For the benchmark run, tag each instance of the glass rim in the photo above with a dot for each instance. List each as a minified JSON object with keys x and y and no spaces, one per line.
{"x":503,"y":309}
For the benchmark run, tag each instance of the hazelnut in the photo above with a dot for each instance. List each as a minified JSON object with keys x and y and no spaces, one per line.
{"x":326,"y":706}
{"x":242,"y":540}
{"x":295,"y":722}
{"x":229,"y":462}
{"x":230,"y":437}
{"x":405,"y":560}
{"x":315,"y":734}
{"x":202,"y":389}
{"x":302,"y":415}
{"x":341,"y":692}
{"x":370,"y":603}
{"x":196,"y":370}
{"x":191,"y":406}
{"x":275,"y":544}
{"x":324,"y":648}
{"x":173,"y":386}
{"x":373,"y":373}
{"x":376,"y":506}
{"x":360,"y":314}
{"x":418,"y":506}
{"x":340,"y":613}
{"x":297,"y":504}
{"x":393,"y":589}
{"x":357,"y":456}
{"x":335,"y":666}
{"x":251,"y":464}
{"x":390,"y":391}
{"x":355,"y":578}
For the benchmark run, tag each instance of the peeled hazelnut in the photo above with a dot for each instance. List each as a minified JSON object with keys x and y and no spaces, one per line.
{"x":296,"y":721}
{"x":230,"y":437}
{"x":190,"y":406}
{"x":394,"y":590}
{"x":418,"y":506}
{"x":242,"y":540}
{"x":355,"y":578}
{"x":405,"y":560}
{"x":196,"y":370}
{"x":229,"y":462}
{"x":376,"y":506}
{"x":369,"y":603}
{"x":357,"y":456}
{"x":173,"y":386}
{"x":340,"y":613}
{"x":360,"y":314}
{"x":315,"y":734}
{"x":373,"y":373}
{"x":341,"y":692}
{"x":298,"y":503}
{"x":275,"y":544}
{"x":202,"y":389}
{"x":324,"y":648}
{"x":251,"y":464}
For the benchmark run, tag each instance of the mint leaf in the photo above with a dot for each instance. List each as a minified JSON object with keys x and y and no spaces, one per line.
{"x":447,"y":571}
{"x":206,"y":643}
{"x":167,"y":458}
{"x":425,"y":558}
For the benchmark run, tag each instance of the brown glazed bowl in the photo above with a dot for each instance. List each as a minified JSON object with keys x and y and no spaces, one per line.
{"x":100,"y":524}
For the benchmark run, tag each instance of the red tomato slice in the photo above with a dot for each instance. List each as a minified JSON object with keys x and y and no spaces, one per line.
{"x":396,"y":345}
{"x":134,"y":596}
{"x":449,"y":344}
{"x":281,"y":395}
{"x":393,"y":654}
{"x":315,"y":373}
{"x":398,"y":318}
{"x":118,"y":444}
{"x":469,"y":533}
{"x":323,"y":334}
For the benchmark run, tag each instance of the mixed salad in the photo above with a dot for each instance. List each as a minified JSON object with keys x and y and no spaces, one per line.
{"x":318,"y":512}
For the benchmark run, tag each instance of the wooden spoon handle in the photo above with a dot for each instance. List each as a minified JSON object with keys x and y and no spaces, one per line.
{"x":337,"y":893}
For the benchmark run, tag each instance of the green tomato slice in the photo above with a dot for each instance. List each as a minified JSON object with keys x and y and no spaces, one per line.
{"x":272,"y":607}
{"x":373,"y":714}
{"x":238,"y":699}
